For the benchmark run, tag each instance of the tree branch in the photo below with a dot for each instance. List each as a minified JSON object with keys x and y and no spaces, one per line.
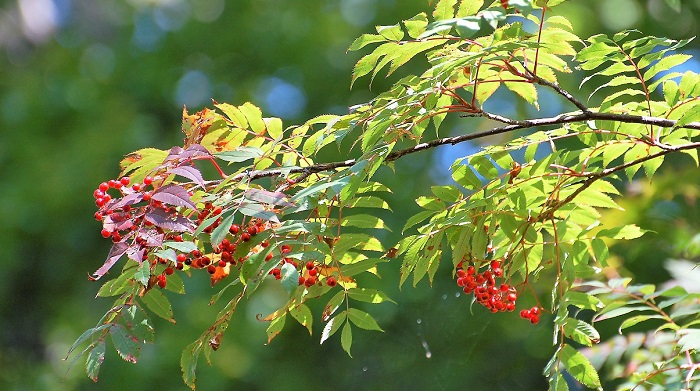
{"x":514,"y":125}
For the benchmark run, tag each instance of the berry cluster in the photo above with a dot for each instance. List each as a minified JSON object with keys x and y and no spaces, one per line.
{"x":136,"y":220}
{"x":486,"y":291}
{"x":533,"y":315}
{"x":308,"y":275}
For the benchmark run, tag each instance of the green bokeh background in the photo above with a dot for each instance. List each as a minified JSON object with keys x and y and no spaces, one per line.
{"x":82,"y":83}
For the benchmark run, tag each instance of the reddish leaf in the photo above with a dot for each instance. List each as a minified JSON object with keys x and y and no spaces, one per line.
{"x":130,"y":199}
{"x":189,"y":172}
{"x":167,"y":221}
{"x":118,"y":249}
{"x":174,"y":195}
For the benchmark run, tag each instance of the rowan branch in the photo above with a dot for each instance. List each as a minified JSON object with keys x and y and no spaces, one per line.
{"x":514,"y":125}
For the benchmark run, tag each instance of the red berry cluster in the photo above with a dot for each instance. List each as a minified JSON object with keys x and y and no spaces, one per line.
{"x":533,"y":315}
{"x":308,"y":275}
{"x":486,"y":291}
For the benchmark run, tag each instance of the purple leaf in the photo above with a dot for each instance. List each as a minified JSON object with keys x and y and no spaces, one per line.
{"x":174,"y":195}
{"x":267,"y":197}
{"x":153,"y":238}
{"x":117,"y":222}
{"x":130,"y":199}
{"x":135,"y":253}
{"x":189,"y":172}
{"x":118,"y":249}
{"x":195,"y":150}
{"x":174,"y":154}
{"x":168,"y":221}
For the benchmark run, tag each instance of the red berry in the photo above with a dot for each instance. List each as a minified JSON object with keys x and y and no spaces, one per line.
{"x":169,"y":270}
{"x":310,"y":281}
{"x":234,"y":229}
{"x":211,"y":269}
{"x":498,"y":272}
{"x":471,"y":270}
{"x":310,"y":265}
{"x":330,"y":281}
{"x":136,"y":187}
{"x":181,"y":257}
{"x":162,"y":281}
{"x":525,"y":314}
{"x":146,"y":197}
{"x":512,"y":297}
{"x":147,"y":180}
{"x":245,"y":237}
{"x":98,"y":193}
{"x":125,"y":181}
{"x":285,"y":248}
{"x":302,"y":280}
{"x":535,"y":310}
{"x":495,"y":264}
{"x":535,"y":319}
{"x":252,"y":230}
{"x":222,"y":263}
{"x":313,"y":272}
{"x":105,"y":233}
{"x":268,"y":257}
{"x":104,"y":186}
{"x":98,"y":216}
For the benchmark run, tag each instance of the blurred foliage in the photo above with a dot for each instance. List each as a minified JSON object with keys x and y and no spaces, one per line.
{"x":85,"y":82}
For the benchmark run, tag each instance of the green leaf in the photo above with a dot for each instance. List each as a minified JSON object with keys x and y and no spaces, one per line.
{"x":116,"y":286}
{"x":188,"y":363}
{"x":143,"y":273}
{"x":526,"y":91}
{"x":352,"y":269}
{"x":581,"y":332}
{"x":183,"y":247}
{"x":416,"y":25}
{"x":94,"y":360}
{"x":579,"y":367}
{"x":333,"y":325}
{"x":125,"y":344}
{"x":303,"y":315}
{"x":363,"y":221}
{"x":665,"y":64}
{"x":220,"y":232}
{"x":628,"y":232}
{"x":444,"y":9}
{"x":582,"y":300}
{"x":349,"y":241}
{"x":369,"y":295}
{"x":363,"y":320}
{"x":364,"y":40}
{"x":469,"y":7}
{"x":240,"y":154}
{"x":254,"y":116}
{"x":346,"y":338}
{"x":157,"y":302}
{"x":633,"y":320}
{"x":275,"y":327}
{"x":464,"y":175}
{"x":289,"y":277}
{"x":391,"y":33}
{"x":448,"y":194}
